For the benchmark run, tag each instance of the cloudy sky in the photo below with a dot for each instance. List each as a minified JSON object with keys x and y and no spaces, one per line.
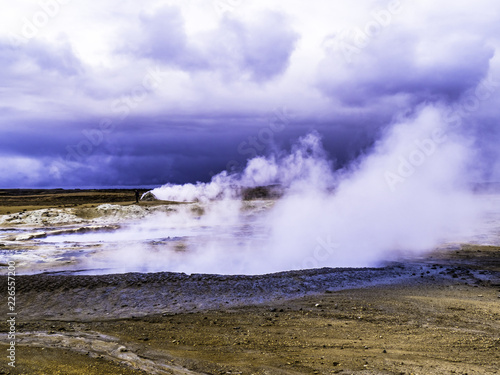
{"x":115,"y":92}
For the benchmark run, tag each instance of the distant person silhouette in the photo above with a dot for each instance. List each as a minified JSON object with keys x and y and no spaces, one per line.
{"x":137,"y":196}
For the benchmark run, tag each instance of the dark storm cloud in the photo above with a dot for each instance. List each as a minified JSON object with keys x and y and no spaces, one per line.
{"x":169,"y":153}
{"x":185,"y":150}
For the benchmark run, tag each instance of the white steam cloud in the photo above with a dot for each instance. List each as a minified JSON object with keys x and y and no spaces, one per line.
{"x":306,"y":165}
{"x":409,"y":195}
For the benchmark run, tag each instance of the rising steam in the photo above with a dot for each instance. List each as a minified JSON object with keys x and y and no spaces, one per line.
{"x":305,"y":167}
{"x":408,"y":195}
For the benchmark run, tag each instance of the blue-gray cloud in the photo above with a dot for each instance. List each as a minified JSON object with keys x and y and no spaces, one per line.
{"x":162,"y":36}
{"x":261,"y":49}
{"x":393,"y":65}
{"x":46,"y":58}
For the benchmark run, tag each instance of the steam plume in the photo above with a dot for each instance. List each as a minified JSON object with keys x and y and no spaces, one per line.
{"x":408,"y":195}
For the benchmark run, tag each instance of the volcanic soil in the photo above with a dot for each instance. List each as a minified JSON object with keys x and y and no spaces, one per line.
{"x":436,"y":315}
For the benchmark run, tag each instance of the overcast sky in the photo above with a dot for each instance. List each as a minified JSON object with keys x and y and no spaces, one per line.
{"x":114,"y":92}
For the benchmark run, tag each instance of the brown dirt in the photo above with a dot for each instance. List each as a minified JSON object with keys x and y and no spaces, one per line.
{"x":427,"y":323}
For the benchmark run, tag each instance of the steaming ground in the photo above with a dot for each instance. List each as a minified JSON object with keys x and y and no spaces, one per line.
{"x":409,"y":195}
{"x":229,"y":237}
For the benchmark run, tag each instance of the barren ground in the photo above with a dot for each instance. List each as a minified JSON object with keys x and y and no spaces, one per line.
{"x":19,"y":200}
{"x":433,"y":315}
{"x":443,"y":319}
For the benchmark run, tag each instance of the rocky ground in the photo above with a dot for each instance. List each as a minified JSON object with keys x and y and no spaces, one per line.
{"x":435,"y":315}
